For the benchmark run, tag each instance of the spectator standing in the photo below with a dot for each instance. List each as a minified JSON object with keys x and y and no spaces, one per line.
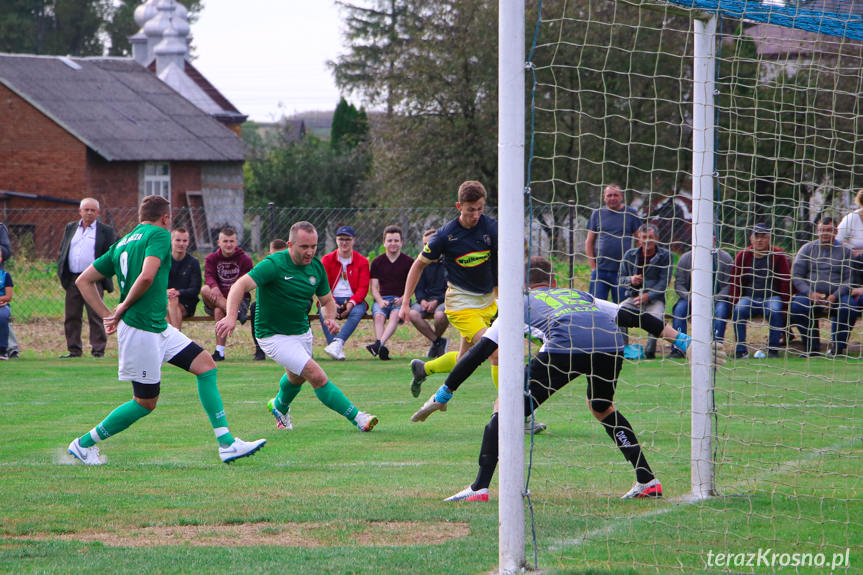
{"x":609,"y":235}
{"x":348,"y":276}
{"x":850,"y":231}
{"x":84,"y":240}
{"x":6,"y":289}
{"x":821,"y":277}
{"x":430,"y":293}
{"x":723,"y":265}
{"x":222,"y":268}
{"x":760,"y":287}
{"x":644,"y":274}
{"x":389,"y":272}
{"x":5,"y":254}
{"x":184,"y":279}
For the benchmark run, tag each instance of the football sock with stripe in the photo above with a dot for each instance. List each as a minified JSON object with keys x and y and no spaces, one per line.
{"x":620,"y":431}
{"x":208,"y":393}
{"x":287,"y":392}
{"x":122,"y":417}
{"x":332,"y":397}
{"x":487,"y":455}
{"x":442,"y":364}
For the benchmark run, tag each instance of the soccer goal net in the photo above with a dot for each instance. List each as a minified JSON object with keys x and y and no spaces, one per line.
{"x":773,"y":125}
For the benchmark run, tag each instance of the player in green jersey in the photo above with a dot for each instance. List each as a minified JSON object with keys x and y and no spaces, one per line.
{"x":141,"y":261}
{"x":286,"y":281}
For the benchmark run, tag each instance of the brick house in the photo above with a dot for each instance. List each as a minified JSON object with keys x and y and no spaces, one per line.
{"x":117,"y":129}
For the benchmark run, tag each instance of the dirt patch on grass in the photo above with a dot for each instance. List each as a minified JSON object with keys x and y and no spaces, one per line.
{"x":354,"y":533}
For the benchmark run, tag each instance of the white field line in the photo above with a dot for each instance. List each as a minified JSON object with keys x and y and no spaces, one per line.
{"x":685,"y":500}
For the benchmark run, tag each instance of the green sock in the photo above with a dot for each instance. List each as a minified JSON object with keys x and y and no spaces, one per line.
{"x":442,"y":364}
{"x":208,"y":393}
{"x":287,"y":392}
{"x":118,"y":420}
{"x":332,"y":397}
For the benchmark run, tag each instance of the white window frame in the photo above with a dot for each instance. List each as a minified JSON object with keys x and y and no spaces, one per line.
{"x":157,"y":179}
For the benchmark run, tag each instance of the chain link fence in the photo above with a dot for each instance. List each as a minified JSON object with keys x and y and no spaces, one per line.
{"x":556,"y":230}
{"x":36,"y":235}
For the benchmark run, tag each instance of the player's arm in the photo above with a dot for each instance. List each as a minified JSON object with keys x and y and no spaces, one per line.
{"x":328,"y":312}
{"x":86,"y":284}
{"x":589,"y":244}
{"x":225,"y":326}
{"x":7,"y":297}
{"x":413,"y":278}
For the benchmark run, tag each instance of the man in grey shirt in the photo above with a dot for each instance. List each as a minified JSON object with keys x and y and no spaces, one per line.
{"x":644,"y":274}
{"x":609,"y":234}
{"x":821,"y":276}
{"x":722,"y":266}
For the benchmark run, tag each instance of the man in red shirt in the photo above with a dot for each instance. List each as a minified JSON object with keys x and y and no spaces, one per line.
{"x":348,"y":276}
{"x":222,"y":268}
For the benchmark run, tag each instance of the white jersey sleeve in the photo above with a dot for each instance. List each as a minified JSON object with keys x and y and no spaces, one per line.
{"x":608,"y":308}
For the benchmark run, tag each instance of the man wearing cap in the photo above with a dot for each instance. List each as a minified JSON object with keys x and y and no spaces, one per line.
{"x":760,"y":286}
{"x":348,"y":276}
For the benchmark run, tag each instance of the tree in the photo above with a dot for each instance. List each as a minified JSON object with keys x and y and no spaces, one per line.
{"x":71,"y":27}
{"x":350,"y":127}
{"x":52,"y":27}
{"x":434,"y":65}
{"x":305,"y":173}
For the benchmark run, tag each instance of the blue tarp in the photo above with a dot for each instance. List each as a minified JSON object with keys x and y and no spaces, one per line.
{"x":791,"y":15}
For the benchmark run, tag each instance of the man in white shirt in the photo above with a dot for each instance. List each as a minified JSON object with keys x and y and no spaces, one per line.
{"x":84,"y":240}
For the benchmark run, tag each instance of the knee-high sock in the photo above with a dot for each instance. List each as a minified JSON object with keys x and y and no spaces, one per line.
{"x":442,"y":364}
{"x":619,"y":429}
{"x":208,"y":393}
{"x":332,"y":397}
{"x":287,"y":392}
{"x":468,"y":363}
{"x":494,"y":376}
{"x":122,"y":417}
{"x":487,"y":455}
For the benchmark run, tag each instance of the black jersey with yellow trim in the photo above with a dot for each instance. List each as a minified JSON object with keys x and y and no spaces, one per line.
{"x":470,"y":254}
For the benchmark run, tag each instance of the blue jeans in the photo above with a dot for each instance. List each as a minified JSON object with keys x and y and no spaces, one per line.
{"x":603,"y":283}
{"x":5,"y":312}
{"x":804,"y":315}
{"x":385,"y":311}
{"x":351,"y":322}
{"x":721,"y":313}
{"x":772,"y":309}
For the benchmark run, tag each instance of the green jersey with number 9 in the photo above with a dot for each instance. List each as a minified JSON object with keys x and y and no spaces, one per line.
{"x":125,"y":259}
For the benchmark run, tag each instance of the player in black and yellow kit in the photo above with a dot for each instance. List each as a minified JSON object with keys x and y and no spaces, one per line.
{"x":468,"y":245}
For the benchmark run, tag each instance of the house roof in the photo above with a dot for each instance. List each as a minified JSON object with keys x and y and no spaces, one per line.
{"x":119,"y":109}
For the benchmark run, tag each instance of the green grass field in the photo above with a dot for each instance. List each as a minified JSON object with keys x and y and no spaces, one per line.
{"x":328,"y":499}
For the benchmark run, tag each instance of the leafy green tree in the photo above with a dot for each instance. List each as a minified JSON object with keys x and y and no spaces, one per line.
{"x":434,"y":66}
{"x":71,"y":27}
{"x":612,"y":98}
{"x":305,"y":173}
{"x":350,"y":127}
{"x":52,"y":27}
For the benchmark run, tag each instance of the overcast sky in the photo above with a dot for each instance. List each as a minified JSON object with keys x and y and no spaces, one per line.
{"x":268,"y":57}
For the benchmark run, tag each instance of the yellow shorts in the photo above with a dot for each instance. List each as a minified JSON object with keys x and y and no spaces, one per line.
{"x":469,"y":321}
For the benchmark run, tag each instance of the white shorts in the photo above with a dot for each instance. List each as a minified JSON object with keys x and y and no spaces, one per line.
{"x":292,"y":352}
{"x":142,"y":353}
